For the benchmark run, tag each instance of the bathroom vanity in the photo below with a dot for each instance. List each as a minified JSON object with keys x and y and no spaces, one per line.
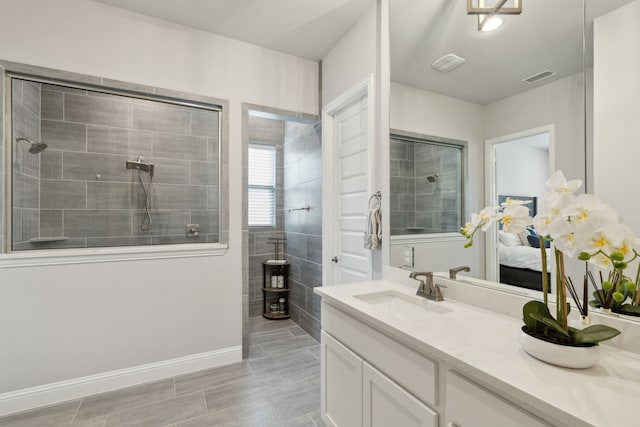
{"x":390,"y":358}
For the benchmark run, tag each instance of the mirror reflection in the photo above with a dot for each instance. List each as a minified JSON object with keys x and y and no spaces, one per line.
{"x":523,"y":80}
{"x":426,"y":184}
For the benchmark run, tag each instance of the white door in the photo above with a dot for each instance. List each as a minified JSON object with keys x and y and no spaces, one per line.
{"x":351,"y":262}
{"x":387,"y":404}
{"x":341,"y":381}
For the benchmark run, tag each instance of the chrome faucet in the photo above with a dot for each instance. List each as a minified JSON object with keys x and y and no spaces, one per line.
{"x":426,"y":288}
{"x":454,"y":271}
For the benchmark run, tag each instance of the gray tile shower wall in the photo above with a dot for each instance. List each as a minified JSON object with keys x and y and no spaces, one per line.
{"x":86,"y":192}
{"x":436,"y":203}
{"x":265,"y":131}
{"x":303,"y":230}
{"x":26,"y":120}
{"x":403,"y":189}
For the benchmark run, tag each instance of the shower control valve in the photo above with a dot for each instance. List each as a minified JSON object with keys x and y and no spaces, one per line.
{"x":193,"y":230}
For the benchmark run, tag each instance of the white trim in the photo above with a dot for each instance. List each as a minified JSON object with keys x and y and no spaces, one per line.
{"x":426,"y":238}
{"x":491,"y":258}
{"x":362,"y":88}
{"x":22,"y":400}
{"x":99,"y":255}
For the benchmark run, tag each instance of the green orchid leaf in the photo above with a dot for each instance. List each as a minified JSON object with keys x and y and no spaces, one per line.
{"x":533,"y":307}
{"x":594,"y":334}
{"x":550,"y":321}
{"x":633,"y":310}
{"x":599,"y":296}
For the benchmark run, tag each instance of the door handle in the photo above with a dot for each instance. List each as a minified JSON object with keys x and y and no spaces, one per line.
{"x":335,"y":259}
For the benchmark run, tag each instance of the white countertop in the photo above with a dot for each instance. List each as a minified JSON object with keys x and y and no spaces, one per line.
{"x":484,"y":345}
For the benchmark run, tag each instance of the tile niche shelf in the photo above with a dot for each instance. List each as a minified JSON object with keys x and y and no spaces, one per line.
{"x":275,"y":287}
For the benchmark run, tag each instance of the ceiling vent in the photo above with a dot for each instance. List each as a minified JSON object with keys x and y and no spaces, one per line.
{"x":538,"y":77}
{"x":448,"y":63}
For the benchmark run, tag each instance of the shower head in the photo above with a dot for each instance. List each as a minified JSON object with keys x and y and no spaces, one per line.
{"x":36,"y":147}
{"x":432,"y":178}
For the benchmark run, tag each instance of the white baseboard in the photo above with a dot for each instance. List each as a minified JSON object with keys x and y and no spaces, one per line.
{"x":48,"y":394}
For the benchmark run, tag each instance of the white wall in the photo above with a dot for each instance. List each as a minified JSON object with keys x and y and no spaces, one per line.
{"x":617,"y":111}
{"x":419,"y":111}
{"x":559,"y":104}
{"x":521,"y":170}
{"x":65,"y":321}
{"x":352,"y":59}
{"x":363,"y":52}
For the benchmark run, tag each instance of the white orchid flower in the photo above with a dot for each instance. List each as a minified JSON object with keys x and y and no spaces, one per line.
{"x":587,"y":208}
{"x":515,"y":219}
{"x":627,"y":245}
{"x":620,"y":236}
{"x":602,"y":239}
{"x":489,"y":215}
{"x":601,"y":261}
{"x":556,"y":205}
{"x":541,"y":224}
{"x":557,"y":183}
{"x":563,"y":237}
{"x":471,"y":227}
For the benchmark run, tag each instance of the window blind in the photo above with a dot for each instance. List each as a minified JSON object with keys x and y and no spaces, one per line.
{"x":262,"y":185}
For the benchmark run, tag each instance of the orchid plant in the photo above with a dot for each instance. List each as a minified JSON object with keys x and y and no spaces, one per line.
{"x":578,"y":225}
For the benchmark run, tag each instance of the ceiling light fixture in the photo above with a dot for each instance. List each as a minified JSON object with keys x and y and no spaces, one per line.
{"x":488,"y":23}
{"x":488,"y":17}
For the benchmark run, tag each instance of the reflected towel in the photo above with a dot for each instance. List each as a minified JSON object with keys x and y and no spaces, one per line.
{"x":373,"y":236}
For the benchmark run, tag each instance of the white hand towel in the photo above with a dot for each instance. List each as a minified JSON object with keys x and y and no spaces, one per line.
{"x":373,"y":236}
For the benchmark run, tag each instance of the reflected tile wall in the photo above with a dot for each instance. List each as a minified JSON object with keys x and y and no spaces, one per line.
{"x":417,"y":205}
{"x":26,"y":120}
{"x":81,"y":182}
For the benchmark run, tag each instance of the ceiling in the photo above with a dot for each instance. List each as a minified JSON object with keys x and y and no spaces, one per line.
{"x":304,"y":28}
{"x":546,"y":36}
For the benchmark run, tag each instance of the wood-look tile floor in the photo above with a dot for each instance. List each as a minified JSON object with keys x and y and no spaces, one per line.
{"x":278,"y":386}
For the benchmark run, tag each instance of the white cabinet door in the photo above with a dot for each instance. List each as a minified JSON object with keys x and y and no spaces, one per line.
{"x":386,"y":404}
{"x":341,"y":371}
{"x":469,"y":405}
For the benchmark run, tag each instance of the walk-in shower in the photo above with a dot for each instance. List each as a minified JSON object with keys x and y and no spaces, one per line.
{"x":36,"y":147}
{"x":141,"y":166}
{"x":82,"y":174}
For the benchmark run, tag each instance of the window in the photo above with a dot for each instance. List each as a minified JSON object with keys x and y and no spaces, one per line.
{"x":97,"y":167}
{"x":262,"y":185}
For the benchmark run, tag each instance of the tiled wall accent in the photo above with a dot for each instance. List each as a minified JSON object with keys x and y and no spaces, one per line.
{"x":303,"y":230}
{"x":437,"y":203}
{"x":26,"y":120}
{"x":417,"y":205}
{"x":265,"y":131}
{"x":403,"y":188}
{"x":86,"y":193}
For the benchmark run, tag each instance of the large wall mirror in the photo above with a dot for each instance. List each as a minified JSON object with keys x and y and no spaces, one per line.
{"x":518,"y":99}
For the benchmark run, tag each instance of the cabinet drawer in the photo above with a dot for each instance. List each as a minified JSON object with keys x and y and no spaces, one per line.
{"x":413,"y":371}
{"x":468,"y":405}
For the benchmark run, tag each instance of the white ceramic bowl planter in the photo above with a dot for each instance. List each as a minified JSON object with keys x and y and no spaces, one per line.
{"x":560,"y":355}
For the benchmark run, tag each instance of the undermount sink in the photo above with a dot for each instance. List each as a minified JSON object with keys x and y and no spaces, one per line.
{"x":401,"y":305}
